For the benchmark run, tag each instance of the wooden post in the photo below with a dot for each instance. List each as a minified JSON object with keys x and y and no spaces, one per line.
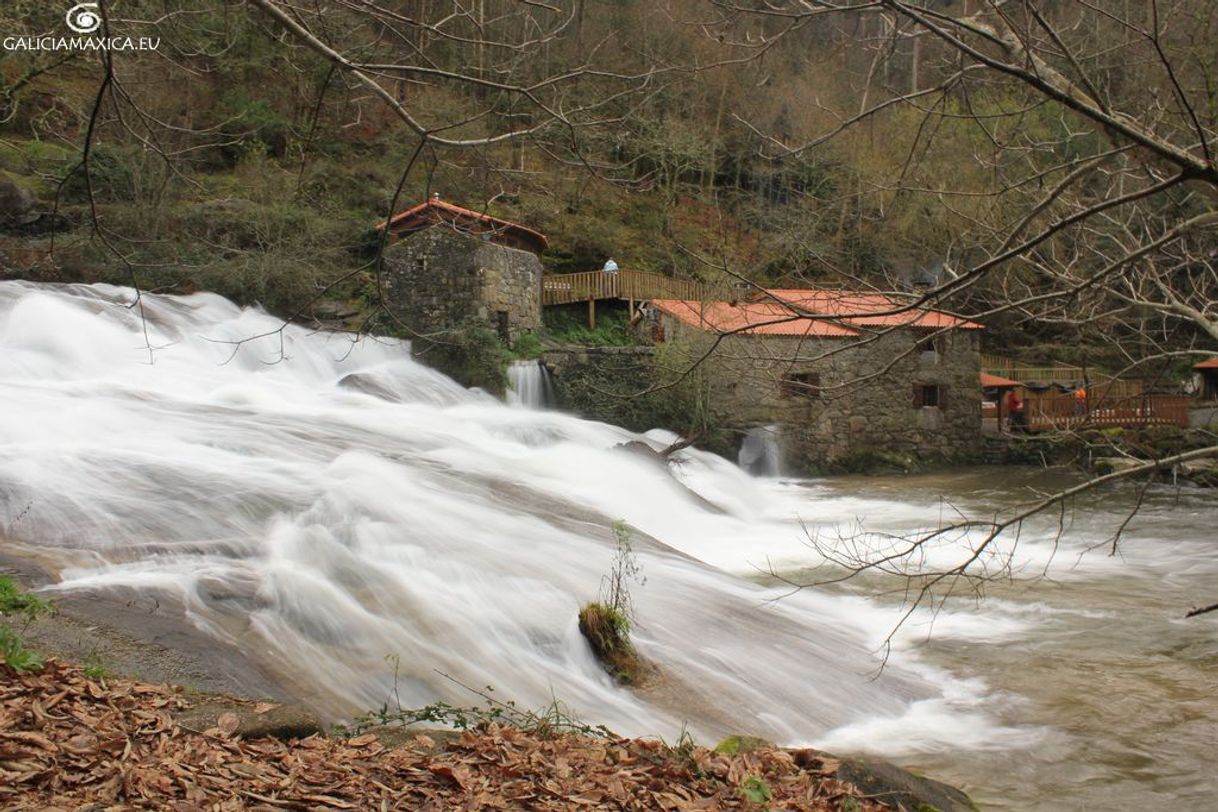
{"x":591,"y":313}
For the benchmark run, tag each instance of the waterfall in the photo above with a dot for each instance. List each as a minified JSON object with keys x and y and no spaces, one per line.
{"x":322,"y":502}
{"x":529,"y":385}
{"x":759,"y":452}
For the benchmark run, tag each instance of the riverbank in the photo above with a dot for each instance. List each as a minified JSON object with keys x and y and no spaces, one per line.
{"x":1111,"y":450}
{"x":69,"y":738}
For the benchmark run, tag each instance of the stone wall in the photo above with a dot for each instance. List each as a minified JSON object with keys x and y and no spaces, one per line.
{"x":861,"y":406}
{"x":438,"y":278}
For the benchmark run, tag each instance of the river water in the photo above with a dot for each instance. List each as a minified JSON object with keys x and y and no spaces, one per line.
{"x":368,"y":531}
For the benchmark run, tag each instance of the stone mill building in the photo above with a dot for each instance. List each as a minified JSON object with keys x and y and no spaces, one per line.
{"x":839,"y":373}
{"x":449,"y":266}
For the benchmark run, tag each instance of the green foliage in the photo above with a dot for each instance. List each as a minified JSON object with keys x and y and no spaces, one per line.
{"x":606,"y":624}
{"x":552,"y":720}
{"x":471,"y":354}
{"x":570,"y":326}
{"x":15,"y":601}
{"x":755,"y":789}
{"x":118,"y":173}
{"x":625,"y":570}
{"x":527,"y":346}
{"x":15,"y":655}
{"x":263,"y":126}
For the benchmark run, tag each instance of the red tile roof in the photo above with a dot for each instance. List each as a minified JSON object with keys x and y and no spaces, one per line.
{"x":989,"y":381}
{"x":749,"y":318}
{"x":435,"y":211}
{"x":867,"y":309}
{"x":1209,"y":363}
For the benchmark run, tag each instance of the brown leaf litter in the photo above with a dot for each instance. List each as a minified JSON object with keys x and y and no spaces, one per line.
{"x":68,"y":742}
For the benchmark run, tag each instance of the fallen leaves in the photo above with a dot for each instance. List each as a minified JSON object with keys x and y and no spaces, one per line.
{"x":69,"y":742}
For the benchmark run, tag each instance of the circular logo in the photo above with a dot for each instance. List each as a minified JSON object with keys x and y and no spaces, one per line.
{"x":82,"y":18}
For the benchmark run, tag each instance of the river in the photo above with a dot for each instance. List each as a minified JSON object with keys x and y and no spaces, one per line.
{"x":369,"y":531}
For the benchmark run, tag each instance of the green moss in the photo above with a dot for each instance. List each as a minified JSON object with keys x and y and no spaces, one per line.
{"x":607,"y":631}
{"x":734,"y":745}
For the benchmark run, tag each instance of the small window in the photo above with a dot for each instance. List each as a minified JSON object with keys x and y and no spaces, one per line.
{"x":800,"y":385}
{"x":929,"y":395}
{"x":501,"y":324}
{"x":420,"y":264}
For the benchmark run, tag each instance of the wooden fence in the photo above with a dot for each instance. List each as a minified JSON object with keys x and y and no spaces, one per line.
{"x":1061,"y":411}
{"x":1101,"y":385}
{"x":638,"y":285}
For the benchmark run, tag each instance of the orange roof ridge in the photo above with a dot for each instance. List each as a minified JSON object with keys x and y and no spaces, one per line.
{"x":750,"y":318}
{"x":461,"y":211}
{"x":867,"y":308}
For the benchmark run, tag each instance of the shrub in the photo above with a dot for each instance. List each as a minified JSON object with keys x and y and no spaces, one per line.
{"x":471,"y":354}
{"x":527,"y":346}
{"x":606,"y":623}
{"x":15,"y":601}
{"x":15,"y":655}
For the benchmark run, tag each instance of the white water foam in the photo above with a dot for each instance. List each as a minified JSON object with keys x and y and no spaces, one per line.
{"x":324,"y":503}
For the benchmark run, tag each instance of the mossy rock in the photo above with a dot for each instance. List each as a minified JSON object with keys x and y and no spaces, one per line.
{"x":607,"y":630}
{"x":902,"y":789}
{"x":735,"y":745}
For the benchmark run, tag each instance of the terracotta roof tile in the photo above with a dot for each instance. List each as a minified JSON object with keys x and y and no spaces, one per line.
{"x":749,"y":318}
{"x":867,"y":309}
{"x":989,"y":381}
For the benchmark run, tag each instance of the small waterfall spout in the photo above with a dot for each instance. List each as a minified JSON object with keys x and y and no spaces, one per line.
{"x":759,"y":453}
{"x":529,"y":385}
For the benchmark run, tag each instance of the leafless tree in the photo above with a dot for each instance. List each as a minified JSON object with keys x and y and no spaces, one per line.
{"x":1089,"y":196}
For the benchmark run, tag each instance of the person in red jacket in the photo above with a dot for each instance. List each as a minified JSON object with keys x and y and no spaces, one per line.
{"x":1015,"y":411}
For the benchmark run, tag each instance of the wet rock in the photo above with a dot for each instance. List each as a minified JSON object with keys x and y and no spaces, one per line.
{"x":16,"y":204}
{"x":902,"y":789}
{"x":642,"y":451}
{"x":1112,"y":465}
{"x":248,"y":719}
{"x":1199,"y":472}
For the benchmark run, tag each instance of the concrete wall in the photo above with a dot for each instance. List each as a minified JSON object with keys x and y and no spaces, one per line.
{"x":866,"y":397}
{"x":437,"y":278}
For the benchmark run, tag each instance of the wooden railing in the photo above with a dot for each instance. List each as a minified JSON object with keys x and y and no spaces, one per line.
{"x":1101,"y":385}
{"x":1061,"y":411}
{"x":580,"y":287}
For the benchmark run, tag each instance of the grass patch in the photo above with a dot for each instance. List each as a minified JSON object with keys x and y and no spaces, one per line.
{"x":16,"y":655}
{"x":17,"y":602}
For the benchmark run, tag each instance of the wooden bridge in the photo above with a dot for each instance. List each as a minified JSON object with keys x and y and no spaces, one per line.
{"x":629,"y":286}
{"x":565,"y":288}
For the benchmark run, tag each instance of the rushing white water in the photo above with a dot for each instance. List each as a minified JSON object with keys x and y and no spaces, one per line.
{"x":324,"y":503}
{"x":760,"y":453}
{"x":530,"y":385}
